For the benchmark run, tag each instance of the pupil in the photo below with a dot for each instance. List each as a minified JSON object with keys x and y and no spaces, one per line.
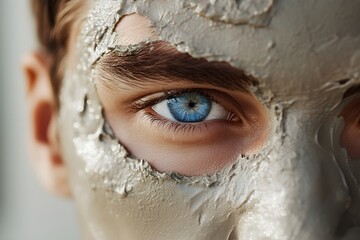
{"x":191,"y":104}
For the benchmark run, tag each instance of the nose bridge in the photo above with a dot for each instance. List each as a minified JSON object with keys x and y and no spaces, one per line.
{"x":329,"y":139}
{"x":320,"y":191}
{"x":311,"y":190}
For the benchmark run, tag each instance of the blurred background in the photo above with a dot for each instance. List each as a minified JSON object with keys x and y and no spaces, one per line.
{"x":26,"y":210}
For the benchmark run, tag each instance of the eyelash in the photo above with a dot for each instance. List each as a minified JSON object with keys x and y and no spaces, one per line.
{"x":176,"y":127}
{"x":140,"y":104}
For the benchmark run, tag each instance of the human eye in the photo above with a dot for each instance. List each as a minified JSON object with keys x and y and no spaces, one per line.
{"x":195,"y":112}
{"x":191,"y":107}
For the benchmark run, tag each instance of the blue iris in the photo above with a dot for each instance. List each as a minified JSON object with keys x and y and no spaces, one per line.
{"x":189,"y":107}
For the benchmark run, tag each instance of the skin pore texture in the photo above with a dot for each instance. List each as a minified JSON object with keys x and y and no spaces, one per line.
{"x":290,"y":178}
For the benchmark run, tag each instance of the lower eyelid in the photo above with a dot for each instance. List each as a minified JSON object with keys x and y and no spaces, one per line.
{"x":171,"y":126}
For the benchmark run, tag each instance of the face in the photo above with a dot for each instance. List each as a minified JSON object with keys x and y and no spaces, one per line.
{"x":217,"y":120}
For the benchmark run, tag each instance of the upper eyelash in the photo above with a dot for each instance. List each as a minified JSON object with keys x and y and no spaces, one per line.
{"x":141,"y":104}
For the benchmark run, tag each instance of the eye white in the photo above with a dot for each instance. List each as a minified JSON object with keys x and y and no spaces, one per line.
{"x":217,"y":112}
{"x":162,"y":109}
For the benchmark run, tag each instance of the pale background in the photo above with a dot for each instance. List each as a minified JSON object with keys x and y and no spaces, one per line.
{"x":27,"y":212}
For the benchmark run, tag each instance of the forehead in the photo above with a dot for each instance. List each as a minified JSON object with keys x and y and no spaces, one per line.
{"x":310,"y":45}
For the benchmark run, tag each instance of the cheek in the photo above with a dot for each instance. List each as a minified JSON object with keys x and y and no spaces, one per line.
{"x":200,"y":152}
{"x":186,"y":158}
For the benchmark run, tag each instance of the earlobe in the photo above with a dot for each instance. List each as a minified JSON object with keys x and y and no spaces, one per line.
{"x":43,"y":137}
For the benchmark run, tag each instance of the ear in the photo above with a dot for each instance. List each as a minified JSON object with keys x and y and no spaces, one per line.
{"x":44,"y":142}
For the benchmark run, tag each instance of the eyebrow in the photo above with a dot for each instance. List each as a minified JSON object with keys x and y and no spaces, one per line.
{"x":160,"y":63}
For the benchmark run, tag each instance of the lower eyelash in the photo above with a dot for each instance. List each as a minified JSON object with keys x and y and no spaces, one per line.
{"x":175,"y":127}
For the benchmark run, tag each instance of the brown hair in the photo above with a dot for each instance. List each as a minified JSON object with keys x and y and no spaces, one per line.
{"x":54,"y":20}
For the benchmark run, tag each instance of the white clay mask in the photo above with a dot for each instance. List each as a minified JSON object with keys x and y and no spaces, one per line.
{"x":295,"y":61}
